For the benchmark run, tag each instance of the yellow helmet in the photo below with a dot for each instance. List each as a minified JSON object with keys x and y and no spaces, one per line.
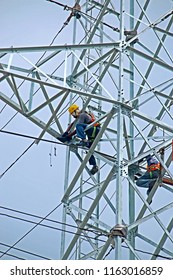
{"x":73,"y":108}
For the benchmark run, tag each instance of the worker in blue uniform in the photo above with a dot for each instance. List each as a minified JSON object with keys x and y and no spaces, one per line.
{"x":148,"y":179}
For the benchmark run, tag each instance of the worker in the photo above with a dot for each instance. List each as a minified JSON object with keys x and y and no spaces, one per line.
{"x":82,"y":120}
{"x":148,"y":179}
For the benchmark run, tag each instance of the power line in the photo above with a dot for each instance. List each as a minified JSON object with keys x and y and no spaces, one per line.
{"x":67,"y":231}
{"x":138,"y":250}
{"x":17,"y":159}
{"x":24,"y":251}
{"x":30,"y":73}
{"x":149,"y":253}
{"x":82,"y":13}
{"x":28,"y":232}
{"x":36,"y":224}
{"x":25,"y":136}
{"x":10,"y":255}
{"x":50,"y":227}
{"x":49,"y":220}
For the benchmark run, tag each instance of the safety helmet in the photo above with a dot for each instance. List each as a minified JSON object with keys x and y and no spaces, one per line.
{"x":73,"y":108}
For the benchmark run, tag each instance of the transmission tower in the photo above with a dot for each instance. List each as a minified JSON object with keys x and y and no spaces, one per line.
{"x":116,"y":59}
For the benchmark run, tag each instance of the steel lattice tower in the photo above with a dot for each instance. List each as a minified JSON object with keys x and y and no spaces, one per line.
{"x":117,"y":62}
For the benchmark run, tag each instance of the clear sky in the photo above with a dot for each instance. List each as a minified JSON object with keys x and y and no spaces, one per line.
{"x":34,"y":183}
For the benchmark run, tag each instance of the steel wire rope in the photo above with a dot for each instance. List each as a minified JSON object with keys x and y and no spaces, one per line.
{"x":137,"y":250}
{"x":71,"y":194}
{"x":161,"y":19}
{"x":42,"y":219}
{"x":108,"y":253}
{"x":50,"y":141}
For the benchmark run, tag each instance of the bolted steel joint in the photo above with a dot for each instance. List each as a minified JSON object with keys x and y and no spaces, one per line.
{"x":119,"y":230}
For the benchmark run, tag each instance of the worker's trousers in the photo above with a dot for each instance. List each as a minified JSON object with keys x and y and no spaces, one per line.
{"x":148,"y":179}
{"x":91,"y":134}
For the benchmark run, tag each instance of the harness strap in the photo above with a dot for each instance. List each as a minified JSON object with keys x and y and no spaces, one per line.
{"x":153,"y":167}
{"x":94,"y":132}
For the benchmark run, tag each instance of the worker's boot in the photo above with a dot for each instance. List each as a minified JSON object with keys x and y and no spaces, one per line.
{"x":94,"y":169}
{"x":83,"y":143}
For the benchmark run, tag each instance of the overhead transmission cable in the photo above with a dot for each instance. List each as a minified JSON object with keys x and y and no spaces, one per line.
{"x":46,"y":219}
{"x":19,"y":157}
{"x":28,"y":232}
{"x":94,"y":231}
{"x":36,"y":224}
{"x":39,"y":139}
{"x":31,"y":72}
{"x":52,"y":227}
{"x":10,"y":255}
{"x":138,"y":250}
{"x":72,"y":9}
{"x":36,"y":64}
{"x":23,"y":251}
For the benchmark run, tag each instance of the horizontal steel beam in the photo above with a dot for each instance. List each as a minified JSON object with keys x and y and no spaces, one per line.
{"x":59,"y":48}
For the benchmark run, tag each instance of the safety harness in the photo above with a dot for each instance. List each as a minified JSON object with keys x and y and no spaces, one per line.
{"x":93,"y":119}
{"x":153,"y":167}
{"x":94,"y":133}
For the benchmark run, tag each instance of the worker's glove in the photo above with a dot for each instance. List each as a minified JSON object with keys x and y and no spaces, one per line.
{"x":69,"y":138}
{"x":141,"y":160}
{"x":65,"y":134}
